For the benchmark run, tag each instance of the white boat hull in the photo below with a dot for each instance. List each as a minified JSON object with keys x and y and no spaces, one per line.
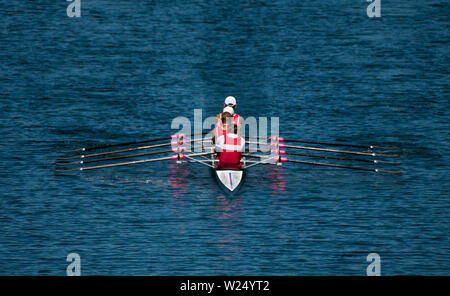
{"x":229,"y":179}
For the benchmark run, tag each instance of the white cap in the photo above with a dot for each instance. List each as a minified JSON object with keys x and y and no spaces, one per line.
{"x":230,"y":101}
{"x":229,"y":110}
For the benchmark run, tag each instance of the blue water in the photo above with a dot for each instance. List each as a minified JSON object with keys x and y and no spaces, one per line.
{"x":125,"y":69}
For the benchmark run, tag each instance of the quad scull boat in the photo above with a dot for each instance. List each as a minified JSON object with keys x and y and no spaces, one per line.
{"x":269,"y":151}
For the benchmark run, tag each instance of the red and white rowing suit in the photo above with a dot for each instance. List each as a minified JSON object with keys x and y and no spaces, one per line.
{"x":221,"y":130}
{"x":229,"y":147}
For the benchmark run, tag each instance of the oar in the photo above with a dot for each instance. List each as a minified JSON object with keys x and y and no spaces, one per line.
{"x":343,"y":166}
{"x":337,"y":144}
{"x":113,"y":152}
{"x":125,"y":144}
{"x":112,"y":158}
{"x":341,"y":151}
{"x":327,"y":143}
{"x":128,"y":163}
{"x":122,"y":150}
{"x":326,"y":150}
{"x":344,"y":158}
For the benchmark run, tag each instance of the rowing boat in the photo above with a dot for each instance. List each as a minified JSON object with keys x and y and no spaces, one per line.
{"x":230,"y":180}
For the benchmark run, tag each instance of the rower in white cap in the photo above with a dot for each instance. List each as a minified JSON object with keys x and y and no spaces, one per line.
{"x":228,"y":140}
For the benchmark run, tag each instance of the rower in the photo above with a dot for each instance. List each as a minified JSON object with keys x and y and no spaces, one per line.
{"x":236,"y":119}
{"x":229,"y":145}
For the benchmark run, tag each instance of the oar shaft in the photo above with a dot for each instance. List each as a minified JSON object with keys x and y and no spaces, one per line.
{"x":121,"y":164}
{"x":331,"y":157}
{"x":332,"y":165}
{"x":328,"y":143}
{"x":128,"y":163}
{"x":115,"y":151}
{"x":318,"y":143}
{"x":122,"y":144}
{"x":332,"y":150}
{"x":344,"y":166}
{"x":321,"y":149}
{"x":126,"y":143}
{"x":375,"y":161}
{"x":122,"y":150}
{"x":113,"y":158}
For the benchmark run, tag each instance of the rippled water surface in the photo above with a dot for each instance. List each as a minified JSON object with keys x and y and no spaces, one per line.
{"x":125,"y":69}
